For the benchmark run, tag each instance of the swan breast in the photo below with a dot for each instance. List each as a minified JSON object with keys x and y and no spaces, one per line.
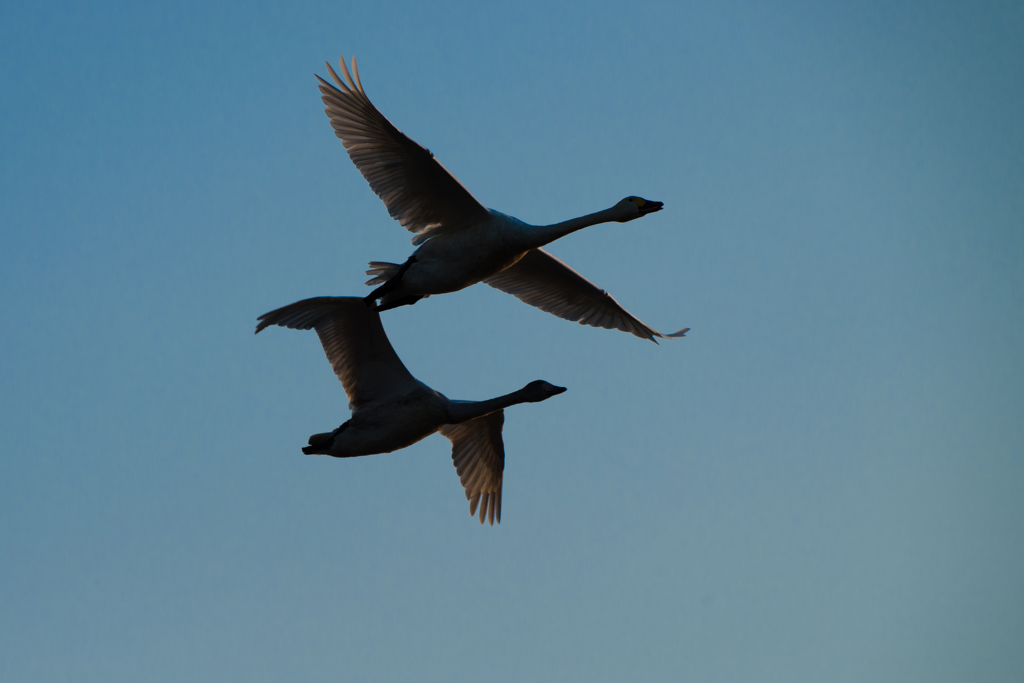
{"x":452,"y":261}
{"x":391,"y":424}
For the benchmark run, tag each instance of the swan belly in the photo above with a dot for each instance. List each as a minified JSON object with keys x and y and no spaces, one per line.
{"x":388,"y":426}
{"x":453,"y":261}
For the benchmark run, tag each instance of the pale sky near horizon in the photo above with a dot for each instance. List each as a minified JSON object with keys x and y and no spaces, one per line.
{"x":822,"y":481}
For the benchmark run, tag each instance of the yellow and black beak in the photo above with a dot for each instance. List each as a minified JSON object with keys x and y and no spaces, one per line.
{"x":646,"y":206}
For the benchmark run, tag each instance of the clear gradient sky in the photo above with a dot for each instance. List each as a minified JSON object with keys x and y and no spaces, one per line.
{"x":822,"y":482}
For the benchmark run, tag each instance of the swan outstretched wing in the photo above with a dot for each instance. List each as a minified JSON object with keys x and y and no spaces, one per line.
{"x":479,"y":457}
{"x":354,"y":341}
{"x":418,"y":191}
{"x":542,"y":280}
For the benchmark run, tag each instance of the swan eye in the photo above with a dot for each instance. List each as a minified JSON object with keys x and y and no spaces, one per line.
{"x":636,"y":200}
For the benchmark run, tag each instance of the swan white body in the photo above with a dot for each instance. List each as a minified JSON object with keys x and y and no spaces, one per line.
{"x":461,"y":242}
{"x":451,"y":261}
{"x":391,"y":409}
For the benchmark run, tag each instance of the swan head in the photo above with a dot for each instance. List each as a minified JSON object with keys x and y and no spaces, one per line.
{"x":632,"y":208}
{"x":537,"y":391}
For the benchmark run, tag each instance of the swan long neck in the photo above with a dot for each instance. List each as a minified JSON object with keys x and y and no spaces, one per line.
{"x":462,"y":411}
{"x":545,"y":234}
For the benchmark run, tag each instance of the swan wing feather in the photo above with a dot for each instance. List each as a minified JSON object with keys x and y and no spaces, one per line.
{"x":417,"y":190}
{"x":355,"y":343}
{"x":479,"y":457}
{"x":544,"y":281}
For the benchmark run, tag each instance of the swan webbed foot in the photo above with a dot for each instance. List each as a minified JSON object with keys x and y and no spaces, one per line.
{"x":393,"y":282}
{"x":404,"y":301}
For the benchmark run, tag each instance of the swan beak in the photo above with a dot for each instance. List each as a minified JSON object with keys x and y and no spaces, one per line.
{"x":650,"y":207}
{"x":558,"y":390}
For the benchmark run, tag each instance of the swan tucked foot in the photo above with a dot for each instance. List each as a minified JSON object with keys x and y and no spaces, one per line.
{"x":320,"y":444}
{"x":404,"y":301}
{"x":382,"y":270}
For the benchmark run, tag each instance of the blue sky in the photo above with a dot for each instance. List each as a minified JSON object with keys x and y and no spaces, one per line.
{"x":821,"y":482}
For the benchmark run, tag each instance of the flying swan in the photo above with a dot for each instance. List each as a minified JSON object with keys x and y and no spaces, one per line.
{"x":461,"y":242}
{"x":391,"y":409}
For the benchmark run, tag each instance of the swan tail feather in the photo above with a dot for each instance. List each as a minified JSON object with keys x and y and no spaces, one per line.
{"x":382,"y":271}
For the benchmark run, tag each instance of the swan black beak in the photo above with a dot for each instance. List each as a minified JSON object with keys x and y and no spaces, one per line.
{"x":650,"y":207}
{"x":558,"y":390}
